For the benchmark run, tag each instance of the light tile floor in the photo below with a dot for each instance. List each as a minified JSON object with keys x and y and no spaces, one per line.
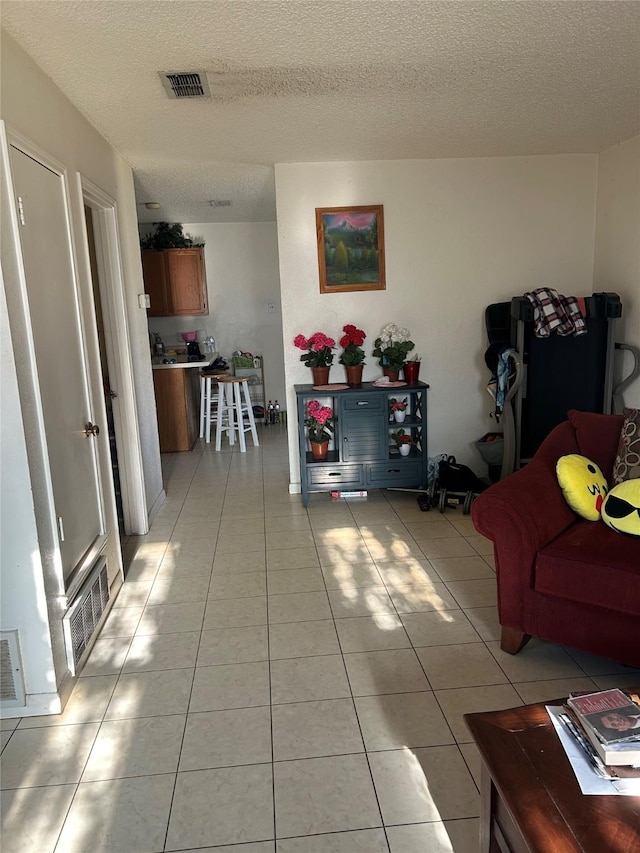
{"x":280,"y":680}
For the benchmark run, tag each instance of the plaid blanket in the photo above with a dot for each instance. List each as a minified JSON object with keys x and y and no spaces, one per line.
{"x":555,"y":313}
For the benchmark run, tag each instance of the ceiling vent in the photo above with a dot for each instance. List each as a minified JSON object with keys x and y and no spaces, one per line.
{"x":185,"y":84}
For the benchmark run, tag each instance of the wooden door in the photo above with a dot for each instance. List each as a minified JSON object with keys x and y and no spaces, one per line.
{"x":58,"y":337}
{"x":187,"y":283}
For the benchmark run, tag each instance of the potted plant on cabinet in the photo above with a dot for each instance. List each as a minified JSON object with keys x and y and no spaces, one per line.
{"x":391,"y":349}
{"x":398,"y":409}
{"x":404,"y":442}
{"x":352,"y":354}
{"x":318,"y":355}
{"x":319,"y":424}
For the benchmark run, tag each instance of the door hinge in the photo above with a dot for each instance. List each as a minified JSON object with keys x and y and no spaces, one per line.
{"x":60,"y":528}
{"x":23,"y":221}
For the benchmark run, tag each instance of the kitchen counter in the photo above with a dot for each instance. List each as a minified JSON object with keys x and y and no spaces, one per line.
{"x":181,"y":364}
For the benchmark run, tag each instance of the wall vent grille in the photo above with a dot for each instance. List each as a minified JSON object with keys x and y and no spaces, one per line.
{"x":12,"y":691}
{"x":185,"y":84}
{"x":83,"y":617}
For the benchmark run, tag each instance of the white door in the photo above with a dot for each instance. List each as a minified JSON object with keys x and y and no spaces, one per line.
{"x":60,"y":357}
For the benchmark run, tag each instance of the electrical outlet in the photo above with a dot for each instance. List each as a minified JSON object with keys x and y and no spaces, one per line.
{"x":144,"y":300}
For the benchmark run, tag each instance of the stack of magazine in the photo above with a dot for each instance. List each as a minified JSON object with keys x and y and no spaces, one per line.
{"x":606,"y":725}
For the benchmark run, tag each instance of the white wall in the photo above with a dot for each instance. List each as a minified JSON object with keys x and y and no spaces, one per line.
{"x":35,"y":109}
{"x":459,"y":235}
{"x":241,"y":261}
{"x":617,"y":248}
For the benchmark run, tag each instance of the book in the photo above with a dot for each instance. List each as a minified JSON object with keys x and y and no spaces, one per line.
{"x":610,"y":713}
{"x":620,"y":748}
{"x":606,"y":771}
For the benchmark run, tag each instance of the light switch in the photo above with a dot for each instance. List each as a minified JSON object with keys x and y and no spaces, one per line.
{"x":144,"y":300}
{"x":271,"y":307}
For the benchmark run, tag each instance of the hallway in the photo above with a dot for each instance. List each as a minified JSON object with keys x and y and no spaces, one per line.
{"x":280,"y":680}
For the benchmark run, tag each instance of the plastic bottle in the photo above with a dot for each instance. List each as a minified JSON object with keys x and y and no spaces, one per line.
{"x":276,"y":413}
{"x":268,"y":419}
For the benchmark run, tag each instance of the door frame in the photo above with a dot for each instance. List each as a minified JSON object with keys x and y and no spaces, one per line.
{"x":118,"y":347}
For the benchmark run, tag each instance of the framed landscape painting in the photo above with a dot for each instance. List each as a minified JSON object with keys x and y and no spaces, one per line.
{"x":350,"y":248}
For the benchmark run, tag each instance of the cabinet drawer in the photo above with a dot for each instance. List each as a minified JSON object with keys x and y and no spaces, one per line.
{"x":395,"y":473}
{"x":340,"y":475}
{"x":364,"y":403}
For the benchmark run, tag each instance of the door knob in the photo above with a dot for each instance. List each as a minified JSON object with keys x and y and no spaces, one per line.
{"x":91,"y":429}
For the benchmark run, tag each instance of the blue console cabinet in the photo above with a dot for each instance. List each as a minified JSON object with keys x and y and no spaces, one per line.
{"x":363,"y":453}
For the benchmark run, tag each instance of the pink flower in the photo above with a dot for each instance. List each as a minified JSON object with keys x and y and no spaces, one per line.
{"x":322,"y":415}
{"x":300,"y":342}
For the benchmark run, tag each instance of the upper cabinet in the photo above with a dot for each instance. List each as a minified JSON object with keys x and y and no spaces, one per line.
{"x":175,"y":281}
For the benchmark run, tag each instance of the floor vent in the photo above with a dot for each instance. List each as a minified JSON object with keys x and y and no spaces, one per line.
{"x":12,"y":692}
{"x":185,"y":84}
{"x":83,"y":616}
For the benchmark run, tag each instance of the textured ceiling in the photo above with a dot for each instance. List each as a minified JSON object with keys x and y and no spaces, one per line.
{"x":312,"y":80}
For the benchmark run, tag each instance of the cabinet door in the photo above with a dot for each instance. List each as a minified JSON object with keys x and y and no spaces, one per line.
{"x":363,"y":428}
{"x":187,"y":281}
{"x":155,"y":283}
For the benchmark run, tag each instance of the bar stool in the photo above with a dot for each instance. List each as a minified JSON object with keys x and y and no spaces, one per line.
{"x":232,"y":409}
{"x":208,"y":402}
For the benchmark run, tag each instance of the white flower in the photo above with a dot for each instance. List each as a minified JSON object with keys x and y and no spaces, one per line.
{"x":393,"y":334}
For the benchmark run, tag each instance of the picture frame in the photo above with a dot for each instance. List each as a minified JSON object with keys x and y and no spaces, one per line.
{"x":350,"y":248}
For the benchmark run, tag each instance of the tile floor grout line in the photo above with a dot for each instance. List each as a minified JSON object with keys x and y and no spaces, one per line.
{"x":188,"y":703}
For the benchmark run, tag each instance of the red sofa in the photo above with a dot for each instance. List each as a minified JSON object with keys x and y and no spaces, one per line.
{"x":562,"y":578}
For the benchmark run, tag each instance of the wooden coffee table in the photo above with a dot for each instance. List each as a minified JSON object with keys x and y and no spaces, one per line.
{"x":531,"y":801}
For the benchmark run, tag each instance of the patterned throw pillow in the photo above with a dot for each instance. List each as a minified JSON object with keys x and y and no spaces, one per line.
{"x":627,"y":462}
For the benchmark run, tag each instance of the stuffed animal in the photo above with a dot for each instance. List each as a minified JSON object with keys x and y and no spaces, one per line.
{"x":583,"y":485}
{"x":621,"y":508}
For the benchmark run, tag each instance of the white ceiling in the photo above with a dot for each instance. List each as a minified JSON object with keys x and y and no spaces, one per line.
{"x":323,"y":80}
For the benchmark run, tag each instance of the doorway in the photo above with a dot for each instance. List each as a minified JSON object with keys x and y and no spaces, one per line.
{"x":109,"y":393}
{"x":103,"y":264}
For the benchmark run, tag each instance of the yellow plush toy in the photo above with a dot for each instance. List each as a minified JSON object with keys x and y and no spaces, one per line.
{"x":583,"y":485}
{"x":621,"y":508}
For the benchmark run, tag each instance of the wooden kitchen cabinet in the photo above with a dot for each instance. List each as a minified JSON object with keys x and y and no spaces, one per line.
{"x":175,"y":281}
{"x":177,"y":405}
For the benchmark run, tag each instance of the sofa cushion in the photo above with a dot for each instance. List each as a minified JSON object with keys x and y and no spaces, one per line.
{"x":627,"y":462}
{"x":591,"y":564}
{"x":597,"y":437}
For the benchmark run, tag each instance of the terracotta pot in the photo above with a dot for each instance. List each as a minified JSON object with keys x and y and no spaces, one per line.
{"x":399,"y":417}
{"x":319,"y":450}
{"x":411,"y":371}
{"x":354,"y":374}
{"x":391,"y":373}
{"x":320,"y":375}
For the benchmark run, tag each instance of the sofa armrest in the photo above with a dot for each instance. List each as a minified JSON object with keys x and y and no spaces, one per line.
{"x":521,"y":515}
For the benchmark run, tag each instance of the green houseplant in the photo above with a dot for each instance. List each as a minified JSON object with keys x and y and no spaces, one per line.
{"x":168,"y":236}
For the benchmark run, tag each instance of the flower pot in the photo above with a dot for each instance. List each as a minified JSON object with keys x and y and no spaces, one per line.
{"x":411,"y":371}
{"x":354,"y":374}
{"x":320,"y":375}
{"x":405,"y":449}
{"x":399,"y":417}
{"x":319,"y":450}
{"x":392,"y":373}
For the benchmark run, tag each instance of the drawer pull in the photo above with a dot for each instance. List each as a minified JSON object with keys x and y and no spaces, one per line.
{"x":363,"y":402}
{"x":335,"y":474}
{"x":393,"y":470}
